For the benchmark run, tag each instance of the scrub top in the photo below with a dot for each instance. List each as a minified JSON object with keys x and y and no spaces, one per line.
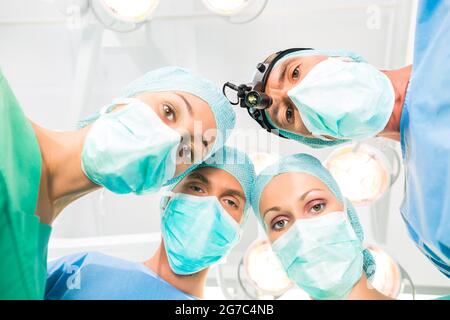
{"x":425,"y":136}
{"x":95,"y":276}
{"x":23,"y":239}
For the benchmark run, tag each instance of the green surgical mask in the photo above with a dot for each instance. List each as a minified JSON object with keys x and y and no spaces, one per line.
{"x":322,"y":255}
{"x":130,"y":150}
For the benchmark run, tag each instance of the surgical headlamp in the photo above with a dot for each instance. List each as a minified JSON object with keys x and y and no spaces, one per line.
{"x":252,"y":96}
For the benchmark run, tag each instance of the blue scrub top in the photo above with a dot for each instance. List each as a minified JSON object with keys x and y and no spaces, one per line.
{"x":425,"y":136}
{"x":95,"y":276}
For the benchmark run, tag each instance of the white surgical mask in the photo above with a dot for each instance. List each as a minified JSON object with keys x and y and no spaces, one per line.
{"x":322,"y":255}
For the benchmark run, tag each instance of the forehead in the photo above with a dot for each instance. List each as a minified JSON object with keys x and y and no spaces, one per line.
{"x":277,"y":74}
{"x":290,"y":184}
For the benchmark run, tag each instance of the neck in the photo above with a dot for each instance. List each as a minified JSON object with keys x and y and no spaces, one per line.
{"x":191,"y":284}
{"x":62,"y":180}
{"x":400,"y":80}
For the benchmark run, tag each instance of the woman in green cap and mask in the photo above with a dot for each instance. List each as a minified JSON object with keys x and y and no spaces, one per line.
{"x":142,"y":141}
{"x":314,"y":230}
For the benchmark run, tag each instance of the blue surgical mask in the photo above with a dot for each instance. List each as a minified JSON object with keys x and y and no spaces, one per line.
{"x":130,"y":150}
{"x":344,"y":99}
{"x":322,"y":255}
{"x":197,"y":232}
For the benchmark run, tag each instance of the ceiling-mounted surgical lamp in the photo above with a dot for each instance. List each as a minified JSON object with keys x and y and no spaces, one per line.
{"x":260,"y":273}
{"x":389,"y":277}
{"x":123,"y":16}
{"x":232,"y":9}
{"x":362,"y":172}
{"x":226,"y":7}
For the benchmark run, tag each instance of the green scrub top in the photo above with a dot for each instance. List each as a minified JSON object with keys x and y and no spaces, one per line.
{"x":23,"y":239}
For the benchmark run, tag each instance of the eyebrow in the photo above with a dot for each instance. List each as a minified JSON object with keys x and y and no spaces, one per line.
{"x":188,"y":104}
{"x":198,"y":176}
{"x":233,"y":192}
{"x":283,"y":71}
{"x":276,"y":208}
{"x":302,"y":197}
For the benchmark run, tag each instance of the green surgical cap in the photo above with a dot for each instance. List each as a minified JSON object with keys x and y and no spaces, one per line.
{"x":305,"y":163}
{"x":236,"y":163}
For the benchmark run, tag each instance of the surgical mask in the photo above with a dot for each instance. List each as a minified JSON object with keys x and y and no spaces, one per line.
{"x":197,"y":232}
{"x":344,"y":100}
{"x":323,"y":255}
{"x":130,"y":150}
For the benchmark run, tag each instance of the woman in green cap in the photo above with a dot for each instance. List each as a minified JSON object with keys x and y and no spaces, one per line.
{"x":146,"y":142}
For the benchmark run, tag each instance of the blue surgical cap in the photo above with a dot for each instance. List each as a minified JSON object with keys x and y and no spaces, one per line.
{"x":305,"y":163}
{"x":314,"y":142}
{"x":236,"y":163}
{"x":180,"y":79}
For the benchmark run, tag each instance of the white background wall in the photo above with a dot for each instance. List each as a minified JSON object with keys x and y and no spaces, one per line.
{"x":38,"y":55}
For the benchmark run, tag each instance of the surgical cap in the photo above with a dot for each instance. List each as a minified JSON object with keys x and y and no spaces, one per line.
{"x":314,"y":142}
{"x":236,"y":163}
{"x":310,"y":165}
{"x":180,"y":79}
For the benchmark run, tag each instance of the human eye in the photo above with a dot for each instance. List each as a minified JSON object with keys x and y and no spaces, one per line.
{"x":316,"y":207}
{"x":196,"y":188}
{"x":186,"y":153}
{"x":296,"y":73}
{"x":169,"y":112}
{"x":289,"y":115}
{"x":231,"y":203}
{"x":279,"y":223}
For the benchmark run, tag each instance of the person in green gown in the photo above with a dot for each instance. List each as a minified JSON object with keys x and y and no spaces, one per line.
{"x":142,"y":141}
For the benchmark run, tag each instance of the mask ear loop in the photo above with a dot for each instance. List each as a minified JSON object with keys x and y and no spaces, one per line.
{"x":165,"y":199}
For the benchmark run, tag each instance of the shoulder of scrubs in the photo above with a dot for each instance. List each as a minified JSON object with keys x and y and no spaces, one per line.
{"x":23,"y":239}
{"x":95,"y":276}
{"x":425,"y":132}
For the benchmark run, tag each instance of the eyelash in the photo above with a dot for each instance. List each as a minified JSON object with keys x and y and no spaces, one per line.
{"x":232,"y":203}
{"x":274,"y":224}
{"x":194,"y":187}
{"x":292,"y":120}
{"x":171,"y":110}
{"x":297,"y":68}
{"x":314,"y":203}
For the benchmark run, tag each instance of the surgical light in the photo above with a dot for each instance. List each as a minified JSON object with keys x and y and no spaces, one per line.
{"x":226,"y":7}
{"x":362,"y":172}
{"x":264,"y":271}
{"x":389,"y":275}
{"x":130,"y":10}
{"x":262,"y":160}
{"x":121,"y":15}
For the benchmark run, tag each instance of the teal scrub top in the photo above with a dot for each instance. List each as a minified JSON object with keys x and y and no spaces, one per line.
{"x":95,"y":276}
{"x":23,"y":239}
{"x":425,"y":136}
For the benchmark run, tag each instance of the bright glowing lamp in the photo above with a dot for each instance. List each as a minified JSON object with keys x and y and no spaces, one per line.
{"x":264,"y":270}
{"x":130,"y":10}
{"x":123,"y":15}
{"x":226,"y":7}
{"x":388,"y":276}
{"x":261,"y":160}
{"x":362,"y":172}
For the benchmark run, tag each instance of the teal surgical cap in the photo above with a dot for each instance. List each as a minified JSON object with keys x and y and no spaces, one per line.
{"x":315,"y":142}
{"x":180,"y":79}
{"x":308,"y":164}
{"x":236,"y":163}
